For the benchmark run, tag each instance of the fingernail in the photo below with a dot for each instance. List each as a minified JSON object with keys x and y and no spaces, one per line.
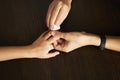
{"x":55,"y":27}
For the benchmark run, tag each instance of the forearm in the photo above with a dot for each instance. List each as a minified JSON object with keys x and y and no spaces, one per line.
{"x":112,"y":42}
{"x":8,"y":53}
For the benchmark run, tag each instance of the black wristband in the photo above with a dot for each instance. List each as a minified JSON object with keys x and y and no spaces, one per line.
{"x":103,"y":42}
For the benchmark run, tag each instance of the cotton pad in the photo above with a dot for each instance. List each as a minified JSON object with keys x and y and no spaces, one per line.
{"x":56,"y":27}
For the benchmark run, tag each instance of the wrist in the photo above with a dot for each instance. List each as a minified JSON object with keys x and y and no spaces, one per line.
{"x":92,"y":39}
{"x":28,"y":53}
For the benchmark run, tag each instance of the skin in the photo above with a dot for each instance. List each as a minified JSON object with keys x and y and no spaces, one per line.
{"x":57,"y":12}
{"x":38,"y":49}
{"x":113,"y":43}
{"x":61,"y":41}
{"x":73,"y":40}
{"x":49,"y":40}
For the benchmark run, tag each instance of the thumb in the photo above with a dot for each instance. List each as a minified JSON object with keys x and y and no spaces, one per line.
{"x":53,"y":54}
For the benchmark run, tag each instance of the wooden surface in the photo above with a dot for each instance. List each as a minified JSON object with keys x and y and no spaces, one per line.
{"x":22,"y":21}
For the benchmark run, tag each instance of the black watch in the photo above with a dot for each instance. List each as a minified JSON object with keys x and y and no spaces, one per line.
{"x":103,"y":42}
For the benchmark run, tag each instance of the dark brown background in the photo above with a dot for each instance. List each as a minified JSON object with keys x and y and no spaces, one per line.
{"x":22,"y":21}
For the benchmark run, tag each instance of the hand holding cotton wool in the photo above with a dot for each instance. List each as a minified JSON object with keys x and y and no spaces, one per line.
{"x":55,"y":27}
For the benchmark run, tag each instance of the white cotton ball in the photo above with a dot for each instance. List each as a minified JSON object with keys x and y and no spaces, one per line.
{"x":56,"y":27}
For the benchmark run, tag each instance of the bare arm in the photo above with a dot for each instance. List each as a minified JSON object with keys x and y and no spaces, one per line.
{"x":112,"y":42}
{"x":8,"y":53}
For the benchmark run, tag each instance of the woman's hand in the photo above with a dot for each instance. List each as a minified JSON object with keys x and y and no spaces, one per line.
{"x":41,"y":47}
{"x":57,"y":12}
{"x":73,"y":40}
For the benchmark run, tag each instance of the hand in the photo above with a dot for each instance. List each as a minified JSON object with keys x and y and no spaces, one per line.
{"x":57,"y":12}
{"x":73,"y":40}
{"x":41,"y":47}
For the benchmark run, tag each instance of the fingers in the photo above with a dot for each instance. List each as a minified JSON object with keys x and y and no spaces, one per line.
{"x":49,"y":14}
{"x":57,"y":35}
{"x":49,"y":34}
{"x":41,"y":36}
{"x":54,"y":16}
{"x":52,"y":36}
{"x":63,"y":12}
{"x":57,"y":12}
{"x":46,"y":35}
{"x":53,"y":39}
